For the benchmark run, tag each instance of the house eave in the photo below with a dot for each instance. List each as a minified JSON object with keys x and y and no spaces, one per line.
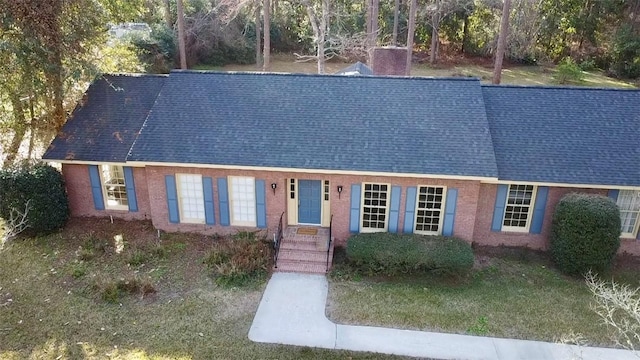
{"x":567,"y":185}
{"x":315,"y":171}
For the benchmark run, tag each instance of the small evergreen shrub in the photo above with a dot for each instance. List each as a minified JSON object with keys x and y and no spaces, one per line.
{"x":568,"y":72}
{"x":393,"y":254}
{"x":585,"y":234}
{"x":43,"y":187}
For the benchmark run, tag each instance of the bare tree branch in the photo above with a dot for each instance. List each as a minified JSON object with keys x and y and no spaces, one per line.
{"x":15,"y":224}
{"x":619,"y":309}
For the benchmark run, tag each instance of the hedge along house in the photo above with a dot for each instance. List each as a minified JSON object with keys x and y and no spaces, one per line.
{"x":221,"y":152}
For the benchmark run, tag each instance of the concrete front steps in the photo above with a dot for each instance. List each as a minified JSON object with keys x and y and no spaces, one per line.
{"x":304,"y":253}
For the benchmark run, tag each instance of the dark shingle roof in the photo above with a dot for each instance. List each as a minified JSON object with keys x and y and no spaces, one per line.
{"x":565,"y":135}
{"x":105,"y":127}
{"x":379,"y":124}
{"x":356,"y":69}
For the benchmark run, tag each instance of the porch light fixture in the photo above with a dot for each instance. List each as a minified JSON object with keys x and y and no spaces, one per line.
{"x":273,"y":187}
{"x":339,"y":191}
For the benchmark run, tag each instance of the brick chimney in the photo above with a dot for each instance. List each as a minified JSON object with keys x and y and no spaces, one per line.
{"x":389,"y":60}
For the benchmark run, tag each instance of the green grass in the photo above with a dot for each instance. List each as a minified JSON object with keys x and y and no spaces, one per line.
{"x":504,"y":298}
{"x":516,"y":75}
{"x":51,"y":307}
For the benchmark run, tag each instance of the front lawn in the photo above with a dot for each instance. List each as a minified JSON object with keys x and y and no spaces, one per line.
{"x":70,"y":295}
{"x":520,"y":296}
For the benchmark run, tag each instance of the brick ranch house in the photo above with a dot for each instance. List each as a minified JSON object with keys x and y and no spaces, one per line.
{"x":221,"y":152}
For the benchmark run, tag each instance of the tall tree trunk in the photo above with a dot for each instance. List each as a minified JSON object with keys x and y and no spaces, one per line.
{"x":167,"y":14}
{"x":433,"y":55}
{"x":367,"y":20}
{"x":465,"y":33}
{"x":435,"y":26}
{"x":396,"y":12}
{"x":319,"y":27}
{"x":635,"y":15}
{"x":267,"y":36}
{"x":181,"y":36}
{"x":55,"y":67}
{"x":375,"y":9}
{"x":32,"y":126}
{"x":258,"y":38}
{"x":323,"y":35}
{"x":19,"y":130}
{"x":502,"y":41}
{"x":413,"y":8}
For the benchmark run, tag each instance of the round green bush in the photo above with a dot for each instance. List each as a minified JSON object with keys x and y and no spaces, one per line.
{"x":585,"y":233}
{"x":42,"y":186}
{"x":393,"y":254}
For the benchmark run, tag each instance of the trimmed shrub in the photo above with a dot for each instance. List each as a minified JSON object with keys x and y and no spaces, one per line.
{"x":393,"y":254}
{"x":585,"y":234}
{"x":41,"y":185}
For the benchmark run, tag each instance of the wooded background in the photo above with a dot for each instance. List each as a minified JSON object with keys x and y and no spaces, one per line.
{"x":50,"y":50}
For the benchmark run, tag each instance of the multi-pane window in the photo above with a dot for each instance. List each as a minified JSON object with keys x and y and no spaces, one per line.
{"x":517,"y":213}
{"x":326,"y":190}
{"x":191,"y":198}
{"x":375,"y":204}
{"x":243,"y":200}
{"x":114,"y":189}
{"x":429,"y":210}
{"x":629,"y":204}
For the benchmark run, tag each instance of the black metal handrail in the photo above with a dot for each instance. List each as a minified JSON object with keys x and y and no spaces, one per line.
{"x":277,"y":239}
{"x":329,"y":242}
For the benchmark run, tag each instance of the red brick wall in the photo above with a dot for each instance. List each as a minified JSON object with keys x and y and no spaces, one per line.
{"x":484,"y":236}
{"x":81,"y":199}
{"x":276,"y":204}
{"x":474,"y":209}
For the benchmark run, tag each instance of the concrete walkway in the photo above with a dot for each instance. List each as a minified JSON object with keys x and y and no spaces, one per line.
{"x":292,"y":312}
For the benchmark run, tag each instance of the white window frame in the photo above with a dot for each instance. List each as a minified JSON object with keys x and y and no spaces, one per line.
{"x":197,"y":180}
{"x":635,"y":202}
{"x":441,"y":218}
{"x":108,"y":170}
{"x":250,"y":202}
{"x":362,"y":206}
{"x":531,"y":205}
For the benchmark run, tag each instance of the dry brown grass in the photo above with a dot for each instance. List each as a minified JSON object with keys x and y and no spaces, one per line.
{"x":50,"y":309}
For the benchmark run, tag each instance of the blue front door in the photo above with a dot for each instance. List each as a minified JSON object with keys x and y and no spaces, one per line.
{"x":309,"y":201}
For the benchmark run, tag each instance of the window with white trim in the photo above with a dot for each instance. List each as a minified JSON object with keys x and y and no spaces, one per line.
{"x":429,"y":210}
{"x":113,"y":187}
{"x":191,"y":198}
{"x":242,"y":194}
{"x":629,"y":204}
{"x":519,"y":207}
{"x":375,"y":207}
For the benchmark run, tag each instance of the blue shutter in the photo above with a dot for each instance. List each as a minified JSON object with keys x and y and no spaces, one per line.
{"x":449,"y":212}
{"x":223,"y":199}
{"x":354,"y":219}
{"x":538,"y":209}
{"x":613,"y":193}
{"x":498,"y":210}
{"x":131,"y":188}
{"x":172,"y":198}
{"x":261,"y":208}
{"x":410,"y":209}
{"x":394,"y":211}
{"x":207,"y":190}
{"x":96,"y":187}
